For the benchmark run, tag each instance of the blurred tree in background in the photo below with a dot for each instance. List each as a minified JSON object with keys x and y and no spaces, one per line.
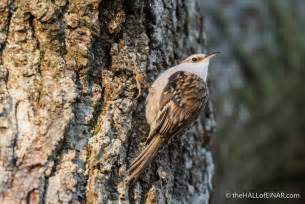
{"x":259,"y":93}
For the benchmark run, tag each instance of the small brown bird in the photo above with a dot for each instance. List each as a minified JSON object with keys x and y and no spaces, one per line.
{"x":172,"y":105}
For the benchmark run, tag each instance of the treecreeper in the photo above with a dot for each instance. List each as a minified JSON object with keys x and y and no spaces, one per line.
{"x":174,"y":102}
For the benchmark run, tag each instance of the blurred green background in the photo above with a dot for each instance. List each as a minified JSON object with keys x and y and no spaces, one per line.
{"x":258,"y":91}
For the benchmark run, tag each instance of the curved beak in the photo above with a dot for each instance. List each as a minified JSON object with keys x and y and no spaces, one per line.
{"x":211,"y":55}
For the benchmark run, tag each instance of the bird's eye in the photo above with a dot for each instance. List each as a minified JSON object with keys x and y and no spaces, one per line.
{"x":194,"y":59}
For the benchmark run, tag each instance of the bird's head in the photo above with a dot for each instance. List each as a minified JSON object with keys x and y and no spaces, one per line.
{"x":199,"y":64}
{"x":199,"y":58}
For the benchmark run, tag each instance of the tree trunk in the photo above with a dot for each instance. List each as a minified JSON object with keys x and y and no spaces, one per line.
{"x":70,"y":119}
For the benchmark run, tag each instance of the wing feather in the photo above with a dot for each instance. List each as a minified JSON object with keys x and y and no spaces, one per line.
{"x":181,"y":101}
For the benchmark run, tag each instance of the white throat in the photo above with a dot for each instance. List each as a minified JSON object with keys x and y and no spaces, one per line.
{"x":200,"y":69}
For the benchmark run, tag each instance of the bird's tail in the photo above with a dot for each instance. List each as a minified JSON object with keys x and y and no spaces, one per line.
{"x":144,"y":159}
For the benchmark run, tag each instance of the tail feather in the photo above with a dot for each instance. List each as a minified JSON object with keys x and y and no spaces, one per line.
{"x":144,"y":154}
{"x":144,"y":159}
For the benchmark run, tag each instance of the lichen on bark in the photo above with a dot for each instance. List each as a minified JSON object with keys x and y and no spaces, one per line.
{"x":70,"y":118}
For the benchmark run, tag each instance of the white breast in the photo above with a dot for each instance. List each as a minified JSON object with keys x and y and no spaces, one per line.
{"x":153,"y":98}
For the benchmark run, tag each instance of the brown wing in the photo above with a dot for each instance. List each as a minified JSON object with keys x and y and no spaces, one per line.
{"x":180,"y":104}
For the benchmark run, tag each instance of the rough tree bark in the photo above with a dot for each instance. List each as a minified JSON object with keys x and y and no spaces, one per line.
{"x":70,"y":121}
